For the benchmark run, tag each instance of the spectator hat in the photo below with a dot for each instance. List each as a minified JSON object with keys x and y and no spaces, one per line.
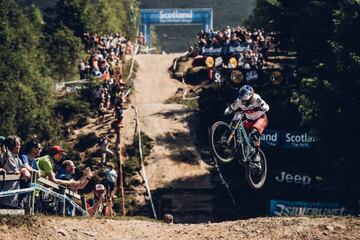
{"x":99,"y":188}
{"x":57,"y":149}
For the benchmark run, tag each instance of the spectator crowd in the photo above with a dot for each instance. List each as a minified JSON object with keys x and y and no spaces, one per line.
{"x":252,"y":45}
{"x":105,"y":62}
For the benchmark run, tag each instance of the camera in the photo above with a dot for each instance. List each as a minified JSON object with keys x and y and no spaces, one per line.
{"x":107,"y":197}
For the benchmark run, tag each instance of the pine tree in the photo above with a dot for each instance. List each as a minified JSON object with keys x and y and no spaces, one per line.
{"x":26,"y":93}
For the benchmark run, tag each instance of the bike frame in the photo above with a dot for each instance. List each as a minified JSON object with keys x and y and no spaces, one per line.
{"x":239,"y":130}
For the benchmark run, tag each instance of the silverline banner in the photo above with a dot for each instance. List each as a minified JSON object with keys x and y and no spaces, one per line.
{"x":288,"y":208}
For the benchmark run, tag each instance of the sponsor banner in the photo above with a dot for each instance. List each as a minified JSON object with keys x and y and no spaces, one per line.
{"x":287,"y":139}
{"x":298,"y":139}
{"x":288,"y":208}
{"x":211,"y":51}
{"x":176,"y":16}
{"x":270,"y":138}
{"x":290,"y":178}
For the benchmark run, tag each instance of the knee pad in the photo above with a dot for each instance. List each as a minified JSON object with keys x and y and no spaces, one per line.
{"x":254,"y":135}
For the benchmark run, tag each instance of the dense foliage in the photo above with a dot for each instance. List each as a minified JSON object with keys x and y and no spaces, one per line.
{"x":26,"y":97}
{"x":325,"y":35}
{"x":36,"y":50}
{"x":103,"y":16}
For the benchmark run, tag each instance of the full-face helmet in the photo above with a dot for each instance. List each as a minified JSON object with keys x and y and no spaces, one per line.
{"x":246,"y":94}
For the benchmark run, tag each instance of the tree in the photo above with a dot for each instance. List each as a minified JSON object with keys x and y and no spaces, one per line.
{"x":26,"y":93}
{"x":69,"y":13}
{"x":325,"y":36}
{"x":66,"y":51}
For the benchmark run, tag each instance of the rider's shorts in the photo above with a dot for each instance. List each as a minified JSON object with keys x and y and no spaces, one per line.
{"x":260,"y":124}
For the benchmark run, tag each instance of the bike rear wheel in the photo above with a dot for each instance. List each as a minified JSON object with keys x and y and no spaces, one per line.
{"x":223,"y":145}
{"x":256,"y":176}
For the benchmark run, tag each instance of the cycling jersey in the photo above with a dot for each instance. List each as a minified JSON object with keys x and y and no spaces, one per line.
{"x":254,"y":110}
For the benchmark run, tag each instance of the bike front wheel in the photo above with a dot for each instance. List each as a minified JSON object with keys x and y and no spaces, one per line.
{"x":223,"y":141}
{"x":256,"y":173}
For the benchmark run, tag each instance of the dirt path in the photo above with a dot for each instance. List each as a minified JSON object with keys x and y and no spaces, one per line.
{"x":104,"y":229}
{"x":174,"y":156}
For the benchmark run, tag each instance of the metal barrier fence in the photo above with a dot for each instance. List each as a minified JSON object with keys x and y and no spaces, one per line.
{"x":45,"y":186}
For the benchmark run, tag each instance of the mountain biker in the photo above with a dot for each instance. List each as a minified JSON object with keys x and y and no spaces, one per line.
{"x":254,"y":108}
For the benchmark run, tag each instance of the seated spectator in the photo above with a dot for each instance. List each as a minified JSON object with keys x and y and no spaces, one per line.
{"x":101,"y":204}
{"x":12,"y":164}
{"x":46,"y":165}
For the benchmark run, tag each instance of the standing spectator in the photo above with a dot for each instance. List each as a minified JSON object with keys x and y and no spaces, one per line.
{"x":82,"y":69}
{"x":46,"y":165}
{"x":2,"y":149}
{"x":104,"y":142}
{"x":118,"y":110}
{"x":13,"y":165}
{"x":101,"y":113}
{"x":66,"y":172}
{"x":141,"y":39}
{"x":117,"y":125}
{"x":110,"y":179}
{"x":32,"y":151}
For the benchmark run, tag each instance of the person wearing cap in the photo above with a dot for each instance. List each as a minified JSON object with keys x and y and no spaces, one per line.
{"x":46,"y":165}
{"x":100,"y":205}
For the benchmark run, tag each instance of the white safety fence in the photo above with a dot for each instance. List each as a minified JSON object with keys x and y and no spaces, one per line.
{"x":37,"y":187}
{"x":142,"y":163}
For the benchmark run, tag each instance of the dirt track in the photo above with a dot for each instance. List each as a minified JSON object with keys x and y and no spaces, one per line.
{"x":174,"y":156}
{"x":260,"y":228}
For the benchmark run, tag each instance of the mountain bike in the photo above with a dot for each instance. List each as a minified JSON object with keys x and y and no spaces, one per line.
{"x":229,"y":141}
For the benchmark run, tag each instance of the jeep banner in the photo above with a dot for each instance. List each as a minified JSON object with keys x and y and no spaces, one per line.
{"x":291,"y":178}
{"x":287,"y":140}
{"x":287,"y":208}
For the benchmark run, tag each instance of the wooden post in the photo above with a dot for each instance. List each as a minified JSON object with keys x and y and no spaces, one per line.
{"x":31,"y":202}
{"x":83,"y":202}
{"x":120,"y":175}
{"x":62,"y":202}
